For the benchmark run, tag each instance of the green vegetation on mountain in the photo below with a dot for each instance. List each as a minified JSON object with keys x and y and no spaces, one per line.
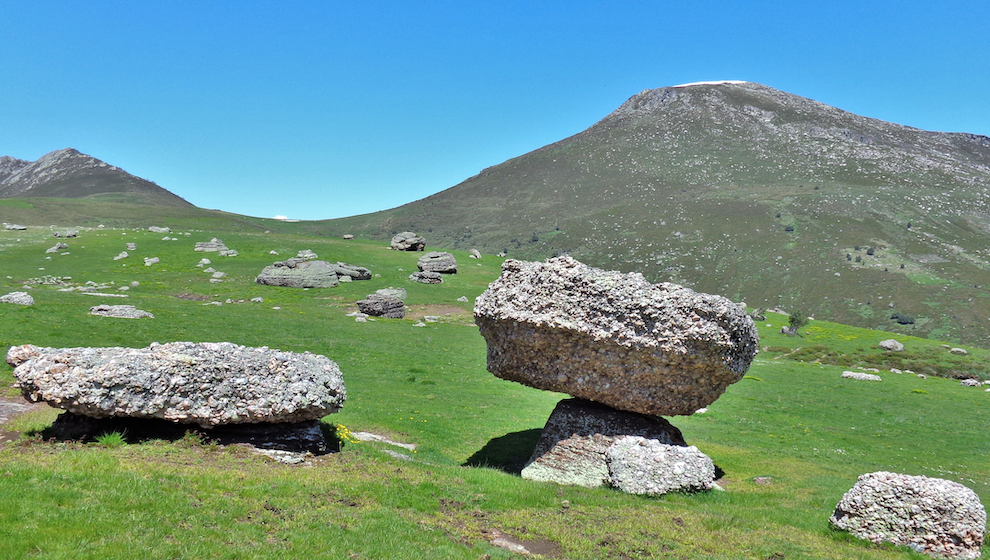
{"x":793,"y":418}
{"x":749,"y":192}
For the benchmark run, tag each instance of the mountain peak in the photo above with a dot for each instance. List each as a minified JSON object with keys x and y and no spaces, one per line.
{"x":68,"y":173}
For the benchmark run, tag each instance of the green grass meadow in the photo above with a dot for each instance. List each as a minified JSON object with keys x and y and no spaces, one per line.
{"x":793,"y":418}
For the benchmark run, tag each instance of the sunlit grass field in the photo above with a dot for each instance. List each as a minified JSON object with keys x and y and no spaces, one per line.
{"x":793,"y":418}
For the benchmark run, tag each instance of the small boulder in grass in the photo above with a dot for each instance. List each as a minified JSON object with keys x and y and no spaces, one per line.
{"x":859,"y":376}
{"x":937,"y":517}
{"x":891,"y":345}
{"x":18,"y":298}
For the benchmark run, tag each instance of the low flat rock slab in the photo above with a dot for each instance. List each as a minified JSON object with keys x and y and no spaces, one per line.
{"x":937,"y":517}
{"x":299,"y":273}
{"x":208,"y":384}
{"x":382,"y":306}
{"x":426,"y":277}
{"x":613,"y":338}
{"x":119,"y":311}
{"x":572,"y":447}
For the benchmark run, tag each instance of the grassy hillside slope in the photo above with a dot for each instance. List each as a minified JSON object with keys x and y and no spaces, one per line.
{"x":793,"y":418}
{"x":748,"y":191}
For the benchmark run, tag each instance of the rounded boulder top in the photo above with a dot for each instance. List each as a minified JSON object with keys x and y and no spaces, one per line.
{"x":613,"y":338}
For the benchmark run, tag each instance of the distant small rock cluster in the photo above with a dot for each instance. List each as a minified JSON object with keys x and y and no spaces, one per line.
{"x":215,"y":246}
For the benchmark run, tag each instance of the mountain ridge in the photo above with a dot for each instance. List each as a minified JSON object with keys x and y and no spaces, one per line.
{"x":68,"y":173}
{"x":747,"y":191}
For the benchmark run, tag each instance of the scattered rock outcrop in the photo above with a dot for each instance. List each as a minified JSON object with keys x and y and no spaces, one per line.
{"x":66,"y":233}
{"x":572,"y":448}
{"x":408,"y":241}
{"x":208,"y":384}
{"x":56,"y":248}
{"x":119,"y":311}
{"x":19,"y":298}
{"x":307,"y":254}
{"x":156,"y":229}
{"x":353,"y":272}
{"x":382,"y":306}
{"x":437,"y":261}
{"x":299,"y":273}
{"x":937,"y":517}
{"x":613,"y":338}
{"x":426,"y":277}
{"x":891,"y":345}
{"x":217,"y":246}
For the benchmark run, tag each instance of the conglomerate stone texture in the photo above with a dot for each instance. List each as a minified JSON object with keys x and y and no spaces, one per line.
{"x":613,"y":338}
{"x":207,"y":383}
{"x":938,"y":517}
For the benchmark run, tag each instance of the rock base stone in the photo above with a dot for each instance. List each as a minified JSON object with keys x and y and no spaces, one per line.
{"x":572,"y":449}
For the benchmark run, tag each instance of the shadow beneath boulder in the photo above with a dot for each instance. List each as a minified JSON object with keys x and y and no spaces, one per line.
{"x":310,"y":436}
{"x":508,"y":453}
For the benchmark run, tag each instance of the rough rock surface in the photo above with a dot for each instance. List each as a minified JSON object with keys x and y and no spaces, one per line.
{"x":572,"y":447}
{"x":57,"y":247}
{"x":307,"y":254}
{"x":891,"y":345}
{"x":408,"y":241}
{"x":613,"y":338}
{"x":119,"y":311}
{"x":66,"y":233}
{"x":20,"y":298}
{"x":148,"y":261}
{"x":132,"y":246}
{"x":211,"y":246}
{"x":398,"y":293}
{"x":209,"y":384}
{"x":637,"y":465}
{"x":859,"y":376}
{"x":475,"y":254}
{"x":354,"y":272}
{"x":938,"y":517}
{"x":437,"y":261}
{"x":426,"y":277}
{"x":122,"y":255}
{"x":299,"y":273}
{"x":156,"y":229}
{"x":382,"y":306}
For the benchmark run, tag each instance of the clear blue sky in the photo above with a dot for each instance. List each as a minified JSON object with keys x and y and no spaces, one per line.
{"x":322,"y":109}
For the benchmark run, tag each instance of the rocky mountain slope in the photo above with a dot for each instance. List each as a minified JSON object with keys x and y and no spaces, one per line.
{"x":747,"y":191}
{"x":67,"y":173}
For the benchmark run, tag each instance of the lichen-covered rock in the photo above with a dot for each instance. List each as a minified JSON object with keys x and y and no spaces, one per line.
{"x":637,"y":465}
{"x":19,"y":298}
{"x":426,"y":277}
{"x":571,"y":450}
{"x":891,"y":345}
{"x":354,"y":272}
{"x":940,"y":518}
{"x":613,"y":338}
{"x":119,"y":311}
{"x":437,"y":261}
{"x":299,"y":273}
{"x":382,"y":306}
{"x":408,"y":241}
{"x":209,"y":384}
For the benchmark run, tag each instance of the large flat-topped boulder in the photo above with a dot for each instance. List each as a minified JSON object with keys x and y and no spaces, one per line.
{"x":208,"y":384}
{"x":437,"y":261}
{"x":299,"y":273}
{"x":613,"y":338}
